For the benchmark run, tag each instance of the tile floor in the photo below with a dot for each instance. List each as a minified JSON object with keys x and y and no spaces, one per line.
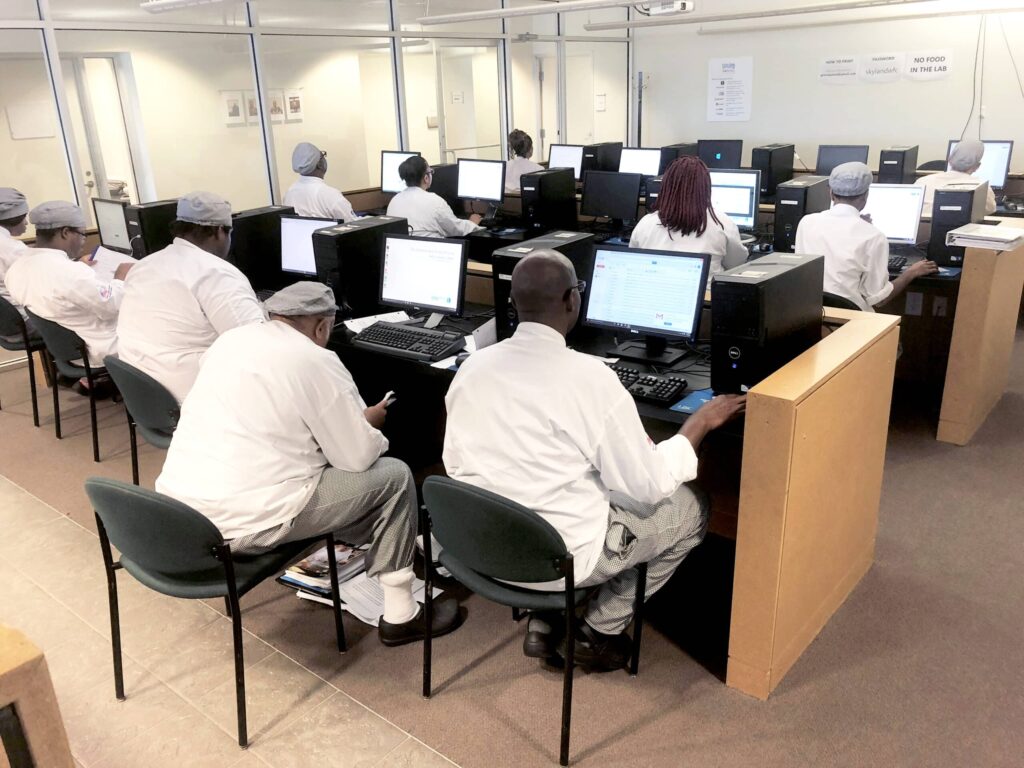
{"x":178,"y":668}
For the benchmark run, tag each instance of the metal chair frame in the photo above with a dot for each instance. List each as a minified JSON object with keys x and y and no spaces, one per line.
{"x":29,"y":348}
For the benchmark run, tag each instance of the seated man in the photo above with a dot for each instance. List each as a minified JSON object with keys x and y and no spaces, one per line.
{"x":428,"y":214}
{"x":310,"y":195}
{"x":856,"y":252}
{"x":964,"y":161}
{"x":13,"y":223}
{"x":555,"y":431}
{"x":177,"y":301}
{"x":275,"y":444}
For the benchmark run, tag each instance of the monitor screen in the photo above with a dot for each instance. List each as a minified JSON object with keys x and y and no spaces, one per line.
{"x":995,"y":163}
{"x":831,"y":155}
{"x":896,"y":210}
{"x":737,"y":194}
{"x":482,"y":180}
{"x":567,"y":156}
{"x":112,"y":224}
{"x":656,"y":293}
{"x":423,"y":273}
{"x":297,"y":243}
{"x":610,"y":194}
{"x":390,"y":181}
{"x":720,"y":153}
{"x":644,"y":161}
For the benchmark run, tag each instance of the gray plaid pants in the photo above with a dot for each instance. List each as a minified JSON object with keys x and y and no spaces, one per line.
{"x":660,"y":535}
{"x":378,"y":505}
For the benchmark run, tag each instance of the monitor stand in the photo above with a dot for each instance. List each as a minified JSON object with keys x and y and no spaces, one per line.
{"x":653,"y":351}
{"x":433,"y":320}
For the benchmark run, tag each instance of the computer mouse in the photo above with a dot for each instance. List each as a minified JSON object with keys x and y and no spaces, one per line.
{"x":764,"y":248}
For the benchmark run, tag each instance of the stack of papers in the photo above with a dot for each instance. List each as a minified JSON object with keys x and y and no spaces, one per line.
{"x":313,"y":575}
{"x":986,"y":236}
{"x":363,"y":597}
{"x":359,"y":324}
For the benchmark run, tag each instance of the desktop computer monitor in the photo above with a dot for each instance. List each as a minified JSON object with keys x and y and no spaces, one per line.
{"x":112,"y":224}
{"x":423,"y":273}
{"x":482,"y":180}
{"x":567,"y":156}
{"x":737,"y":194}
{"x":720,"y":153}
{"x":297,"y":244}
{"x":643,"y":161}
{"x":390,"y":181}
{"x":995,"y":164}
{"x":256,"y":244}
{"x":657,"y":295}
{"x":611,"y":195}
{"x":831,"y":155}
{"x":896,"y":210}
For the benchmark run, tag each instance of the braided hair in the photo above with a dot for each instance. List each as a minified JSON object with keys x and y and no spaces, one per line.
{"x":685,"y":198}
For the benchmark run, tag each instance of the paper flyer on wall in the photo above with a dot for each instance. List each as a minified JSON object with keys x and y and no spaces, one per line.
{"x":730,"y":89}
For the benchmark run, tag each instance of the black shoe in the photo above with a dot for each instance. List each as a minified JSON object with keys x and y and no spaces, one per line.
{"x":544,"y":645}
{"x":448,"y":616}
{"x":596,"y":652}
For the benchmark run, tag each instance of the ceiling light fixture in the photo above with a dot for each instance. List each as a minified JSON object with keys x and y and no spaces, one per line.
{"x":526,"y":10}
{"x":161,"y":6}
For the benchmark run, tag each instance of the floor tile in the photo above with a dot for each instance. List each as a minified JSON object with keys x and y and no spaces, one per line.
{"x":44,"y":620}
{"x":17,"y":506}
{"x":190,"y":740}
{"x":414,"y":754}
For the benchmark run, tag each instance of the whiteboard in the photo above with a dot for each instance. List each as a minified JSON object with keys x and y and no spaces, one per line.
{"x":31,"y":120}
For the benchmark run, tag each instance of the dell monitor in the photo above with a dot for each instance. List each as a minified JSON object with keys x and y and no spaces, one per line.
{"x":654,"y":295}
{"x":567,"y":156}
{"x":896,"y":210}
{"x":720,"y":153}
{"x":737,"y":194}
{"x":424,"y":273}
{"x":995,"y":164}
{"x":482,"y":180}
{"x":390,"y":181}
{"x":611,"y":195}
{"x":643,"y":161}
{"x":831,"y":155}
{"x":112,"y":224}
{"x":297,"y":244}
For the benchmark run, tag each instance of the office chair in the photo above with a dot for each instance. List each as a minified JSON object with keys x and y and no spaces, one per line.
{"x":174,"y":550}
{"x":14,"y":337}
{"x":487,"y":540}
{"x":839,"y":302}
{"x":150,"y":408}
{"x":932,"y":165}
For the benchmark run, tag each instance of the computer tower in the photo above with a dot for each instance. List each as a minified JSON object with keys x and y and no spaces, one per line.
{"x":794,"y":199}
{"x":651,"y":195}
{"x":673,"y":152}
{"x":256,"y":244}
{"x":897,"y":165}
{"x":953,"y":207}
{"x":149,"y":226}
{"x":348,"y":258}
{"x":548,"y":200}
{"x":775,"y":162}
{"x":601,"y":157}
{"x":763,"y":314}
{"x":577,"y":246}
{"x":445,"y":184}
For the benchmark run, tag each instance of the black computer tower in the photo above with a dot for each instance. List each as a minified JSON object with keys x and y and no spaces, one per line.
{"x":775,"y":162}
{"x":954,"y":207}
{"x":548,"y":200}
{"x":763,"y":314}
{"x":673,"y":152}
{"x":897,"y":165}
{"x":601,"y":157}
{"x":577,"y":246}
{"x":149,"y":226}
{"x":256,"y":244}
{"x":794,"y":199}
{"x":651,"y":195}
{"x":348,"y":258}
{"x":445,"y":184}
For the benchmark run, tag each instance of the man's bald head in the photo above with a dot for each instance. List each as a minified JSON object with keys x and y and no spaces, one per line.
{"x":542,"y":290}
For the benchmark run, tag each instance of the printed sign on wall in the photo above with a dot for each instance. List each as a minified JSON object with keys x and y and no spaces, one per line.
{"x":838,"y":70}
{"x":730,"y":87}
{"x":881,"y":67}
{"x":929,"y":65}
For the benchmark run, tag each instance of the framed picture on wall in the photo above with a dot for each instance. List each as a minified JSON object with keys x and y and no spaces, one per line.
{"x":293,"y":105}
{"x":252,"y":108}
{"x":277,"y":112}
{"x":233,"y":107}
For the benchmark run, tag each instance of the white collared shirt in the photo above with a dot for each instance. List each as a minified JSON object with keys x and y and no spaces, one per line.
{"x":555,"y":431}
{"x":11,"y":249}
{"x":70,"y":294}
{"x":722,"y":242}
{"x":933,"y":181}
{"x":856,"y":254}
{"x":311,"y":196}
{"x":514,"y":170}
{"x":176,"y":303}
{"x":428,"y":214}
{"x":269,"y":411}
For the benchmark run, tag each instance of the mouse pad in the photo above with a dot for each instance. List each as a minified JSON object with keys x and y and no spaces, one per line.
{"x":693,"y":401}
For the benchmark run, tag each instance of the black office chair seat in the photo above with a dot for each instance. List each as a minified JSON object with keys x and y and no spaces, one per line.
{"x":838,"y":302}
{"x":509,"y":594}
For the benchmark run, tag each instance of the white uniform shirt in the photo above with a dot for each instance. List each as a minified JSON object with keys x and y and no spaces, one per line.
{"x":310,"y":196}
{"x":428,"y":214}
{"x":933,"y":181}
{"x":268,"y":412}
{"x":70,"y":294}
{"x":555,"y":431}
{"x":722,"y":242}
{"x":11,"y":249}
{"x":515,"y":168}
{"x":856,"y":254}
{"x":176,"y":303}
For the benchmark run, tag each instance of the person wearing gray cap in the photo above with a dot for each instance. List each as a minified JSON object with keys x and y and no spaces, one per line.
{"x":177,"y":301}
{"x":964,"y":161}
{"x":275,"y":444}
{"x":310,"y":195}
{"x":856,"y":251}
{"x":13,"y":223}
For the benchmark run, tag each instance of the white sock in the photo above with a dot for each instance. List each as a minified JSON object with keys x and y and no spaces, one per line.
{"x":399,"y":606}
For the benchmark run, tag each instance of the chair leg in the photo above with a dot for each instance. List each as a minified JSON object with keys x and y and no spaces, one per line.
{"x":32,"y":387}
{"x":428,"y":597}
{"x":517,"y":615}
{"x":132,"y":442}
{"x":56,"y":398}
{"x":115,"y":618}
{"x":92,"y":416}
{"x":227,"y":606}
{"x":236,"y":631}
{"x":339,"y":626}
{"x":570,"y":662}
{"x":638,"y":617}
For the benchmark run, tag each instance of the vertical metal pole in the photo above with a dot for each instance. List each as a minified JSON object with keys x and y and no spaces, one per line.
{"x":256,"y":54}
{"x":398,"y":67}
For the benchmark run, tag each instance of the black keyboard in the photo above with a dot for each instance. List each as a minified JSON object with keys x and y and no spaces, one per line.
{"x":410,"y":341}
{"x":650,"y":387}
{"x":896,"y":264}
{"x":264,"y":294}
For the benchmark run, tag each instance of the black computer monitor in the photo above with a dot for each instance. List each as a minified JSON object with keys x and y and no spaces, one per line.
{"x":896,"y":210}
{"x":112,"y":224}
{"x":390,"y":181}
{"x":646,"y":162}
{"x":297,"y":244}
{"x":256,"y":244}
{"x":654,"y":295}
{"x":445,"y":184}
{"x":611,"y":195}
{"x":720,"y":153}
{"x":482,"y":180}
{"x":423,"y":273}
{"x":831,"y":155}
{"x":995,"y":164}
{"x":567,"y":156}
{"x":737,"y":194}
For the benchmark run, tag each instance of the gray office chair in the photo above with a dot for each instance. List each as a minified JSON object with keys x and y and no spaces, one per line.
{"x":15,"y":337}
{"x":838,"y":302}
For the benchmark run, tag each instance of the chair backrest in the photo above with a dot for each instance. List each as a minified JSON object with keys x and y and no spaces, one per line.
{"x":146,"y":399}
{"x":11,"y":322}
{"x":157,"y":533}
{"x":492,"y":535}
{"x":63,"y":345}
{"x":837,"y":301}
{"x":932,"y":165}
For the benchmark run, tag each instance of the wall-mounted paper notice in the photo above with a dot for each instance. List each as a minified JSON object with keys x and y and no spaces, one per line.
{"x":31,"y":120}
{"x":881,"y":67}
{"x":730,"y":89}
{"x":929,"y":65}
{"x":838,"y":70}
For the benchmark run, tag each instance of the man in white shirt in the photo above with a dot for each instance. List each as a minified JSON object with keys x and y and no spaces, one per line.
{"x":13,"y":223}
{"x":177,"y":301}
{"x":555,"y":431}
{"x":856,"y":252}
{"x":275,"y":444}
{"x":964,"y":161}
{"x":428,"y":214}
{"x":310,"y":195}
